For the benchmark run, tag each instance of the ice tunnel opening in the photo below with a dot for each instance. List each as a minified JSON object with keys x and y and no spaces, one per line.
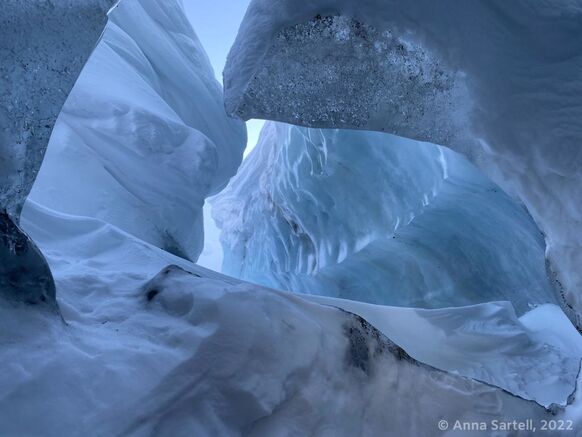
{"x":419,"y":226}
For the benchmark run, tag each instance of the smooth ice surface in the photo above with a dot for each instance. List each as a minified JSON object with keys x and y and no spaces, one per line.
{"x":39,"y":63}
{"x":376,"y":218}
{"x":174,"y":353}
{"x":143,"y":138}
{"x":497,"y":80}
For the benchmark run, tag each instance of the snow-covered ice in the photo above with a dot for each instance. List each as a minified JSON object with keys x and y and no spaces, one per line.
{"x":39,"y":63}
{"x":147,"y":343}
{"x":155,"y":350}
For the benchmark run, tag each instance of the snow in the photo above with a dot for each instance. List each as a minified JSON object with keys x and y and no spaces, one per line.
{"x":143,"y":138}
{"x":212,"y":255}
{"x":541,"y":350}
{"x":498,"y":81}
{"x":187,"y":350}
{"x":315,"y":211}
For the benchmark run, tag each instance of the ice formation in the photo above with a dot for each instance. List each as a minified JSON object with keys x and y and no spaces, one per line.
{"x":496,"y":80}
{"x":39,"y":64}
{"x":149,"y":343}
{"x":143,"y":138}
{"x":316,"y":210}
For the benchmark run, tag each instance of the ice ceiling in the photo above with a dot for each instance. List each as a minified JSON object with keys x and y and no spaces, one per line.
{"x":415,"y":194}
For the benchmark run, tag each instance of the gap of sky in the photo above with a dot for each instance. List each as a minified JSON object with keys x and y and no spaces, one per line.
{"x":216,"y":24}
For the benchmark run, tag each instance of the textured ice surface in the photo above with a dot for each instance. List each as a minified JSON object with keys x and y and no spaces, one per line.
{"x":143,"y":137}
{"x":39,"y":63}
{"x":175,"y":353}
{"x":499,"y":81}
{"x":371,"y":74}
{"x":376,"y":218}
{"x":43,"y":46}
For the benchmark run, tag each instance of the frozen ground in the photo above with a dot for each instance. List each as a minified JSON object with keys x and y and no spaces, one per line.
{"x":191,"y":351}
{"x":316,"y":210}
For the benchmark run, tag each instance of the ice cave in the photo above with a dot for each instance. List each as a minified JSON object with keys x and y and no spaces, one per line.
{"x":290,"y":218}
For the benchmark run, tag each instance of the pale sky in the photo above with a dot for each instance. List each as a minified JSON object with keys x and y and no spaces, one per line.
{"x":216,"y":23}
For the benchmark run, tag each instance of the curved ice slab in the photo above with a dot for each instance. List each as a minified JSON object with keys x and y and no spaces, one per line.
{"x":43,"y":46}
{"x":537,"y":358}
{"x":206,"y":354}
{"x":499,"y":81}
{"x":376,"y":218}
{"x":143,"y":137}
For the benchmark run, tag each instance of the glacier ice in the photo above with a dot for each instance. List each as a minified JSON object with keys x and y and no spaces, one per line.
{"x":316,"y":210}
{"x":156,"y":345}
{"x":39,"y":64}
{"x":498,"y":81}
{"x":143,"y":138}
{"x":180,"y":350}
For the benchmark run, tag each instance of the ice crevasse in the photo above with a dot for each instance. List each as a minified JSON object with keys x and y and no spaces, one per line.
{"x":497,"y":81}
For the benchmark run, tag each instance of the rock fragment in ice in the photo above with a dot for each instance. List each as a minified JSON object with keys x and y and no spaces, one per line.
{"x":43,"y":46}
{"x":24,"y":273}
{"x":376,"y":218}
{"x":509,"y":96}
{"x":143,"y":138}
